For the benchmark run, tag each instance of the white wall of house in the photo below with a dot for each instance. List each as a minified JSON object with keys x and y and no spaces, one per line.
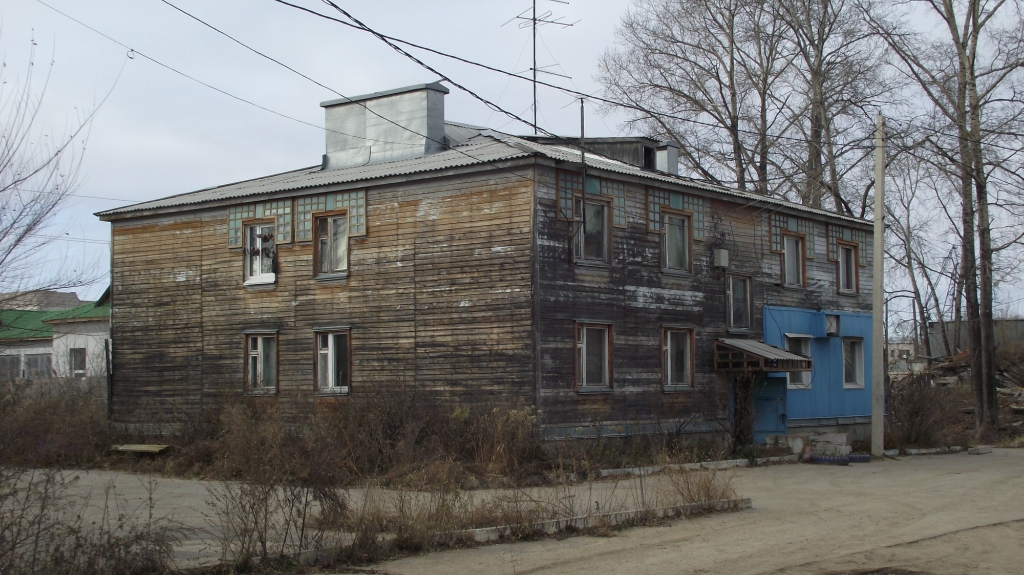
{"x":87,"y":335}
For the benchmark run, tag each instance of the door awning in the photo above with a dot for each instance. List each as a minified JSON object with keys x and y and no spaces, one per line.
{"x":745,"y":355}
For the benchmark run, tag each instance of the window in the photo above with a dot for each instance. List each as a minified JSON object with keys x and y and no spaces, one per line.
{"x":76,"y":362}
{"x":332,"y":362}
{"x":675,"y":242}
{"x":676,"y":365}
{"x":10,"y":367}
{"x":831,"y":324}
{"x":262,"y":366}
{"x":793,"y":261}
{"x":739,"y":302}
{"x":332,"y":245}
{"x":847,"y":269}
{"x":853,"y":363}
{"x":38,"y":365}
{"x":802,"y":346}
{"x":259,"y":254}
{"x":591,"y":242}
{"x":592,"y":356}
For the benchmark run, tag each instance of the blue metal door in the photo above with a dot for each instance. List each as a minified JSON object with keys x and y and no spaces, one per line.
{"x":768,"y":399}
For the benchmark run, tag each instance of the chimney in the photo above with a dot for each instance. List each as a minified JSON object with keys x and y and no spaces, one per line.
{"x":668,"y":157}
{"x":362,"y":129}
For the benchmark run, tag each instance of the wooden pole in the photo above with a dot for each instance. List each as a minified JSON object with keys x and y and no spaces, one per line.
{"x":877,"y":305}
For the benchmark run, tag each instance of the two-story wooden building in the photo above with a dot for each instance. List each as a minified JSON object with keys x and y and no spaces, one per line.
{"x":472,"y":264}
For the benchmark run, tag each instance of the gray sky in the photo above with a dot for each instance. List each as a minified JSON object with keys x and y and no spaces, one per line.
{"x":160,"y":134}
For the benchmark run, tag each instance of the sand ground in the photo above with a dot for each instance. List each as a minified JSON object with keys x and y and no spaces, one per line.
{"x":942,"y":514}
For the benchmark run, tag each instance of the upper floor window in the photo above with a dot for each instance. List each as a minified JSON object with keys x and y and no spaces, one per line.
{"x":675,"y":361}
{"x":847,"y":269}
{"x":801,"y":346}
{"x":332,"y":245}
{"x":593,"y":353}
{"x":592,"y":241}
{"x":739,"y":302}
{"x":259,"y":254}
{"x":261,"y":368}
{"x":793,"y":261}
{"x":332,"y":366}
{"x":853,"y":362}
{"x":675,"y":241}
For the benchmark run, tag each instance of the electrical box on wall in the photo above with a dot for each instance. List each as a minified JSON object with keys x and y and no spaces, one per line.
{"x":721,"y":258}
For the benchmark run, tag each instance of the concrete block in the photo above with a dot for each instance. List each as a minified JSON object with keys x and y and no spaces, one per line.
{"x":891,"y":452}
{"x":980,"y":450}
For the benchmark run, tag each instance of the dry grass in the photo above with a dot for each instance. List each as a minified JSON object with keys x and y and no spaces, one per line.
{"x":926,"y":415}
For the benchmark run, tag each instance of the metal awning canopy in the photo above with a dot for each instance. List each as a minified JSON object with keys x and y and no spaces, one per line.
{"x":745,"y":355}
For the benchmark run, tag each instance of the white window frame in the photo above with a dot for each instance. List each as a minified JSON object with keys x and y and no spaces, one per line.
{"x":259,"y":255}
{"x":668,"y":367}
{"x":336,"y":271}
{"x":847,"y":267}
{"x":583,"y":382}
{"x":329,"y":357}
{"x":260,"y":383}
{"x":731,"y":300}
{"x":687,"y":224}
{"x":579,"y":247}
{"x":79,"y":373}
{"x":858,"y":366}
{"x":799,"y":379}
{"x":801,"y":256}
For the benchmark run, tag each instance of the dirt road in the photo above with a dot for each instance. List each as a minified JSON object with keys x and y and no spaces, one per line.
{"x":945,"y":514}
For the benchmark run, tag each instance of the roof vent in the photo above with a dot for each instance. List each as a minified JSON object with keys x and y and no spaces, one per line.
{"x":385,"y":126}
{"x":668,"y":157}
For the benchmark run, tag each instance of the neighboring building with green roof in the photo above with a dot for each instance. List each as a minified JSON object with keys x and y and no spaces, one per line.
{"x":69,"y":342}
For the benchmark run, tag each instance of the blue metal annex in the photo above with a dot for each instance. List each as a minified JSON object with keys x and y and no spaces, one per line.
{"x":838,"y":390}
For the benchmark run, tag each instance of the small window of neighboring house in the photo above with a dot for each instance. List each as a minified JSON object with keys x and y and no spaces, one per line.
{"x":76,"y":362}
{"x":261,"y":370}
{"x":853,"y":363}
{"x":677,"y":369}
{"x":739,"y":302}
{"x":593,"y":343}
{"x":10,"y":367}
{"x":831,"y":324}
{"x":801,"y":346}
{"x":847,"y":269}
{"x":904,"y":354}
{"x":592,"y":241}
{"x":793,"y":261}
{"x":675,"y":242}
{"x":260,"y":254}
{"x":333,"y":361}
{"x":332,"y":246}
{"x":38,"y":365}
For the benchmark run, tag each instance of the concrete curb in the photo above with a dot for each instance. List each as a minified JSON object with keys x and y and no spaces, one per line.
{"x":491,"y":534}
{"x":724,"y":464}
{"x":928,"y":451}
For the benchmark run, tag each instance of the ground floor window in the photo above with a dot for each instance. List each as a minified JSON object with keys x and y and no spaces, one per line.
{"x":802,"y":346}
{"x":677,"y":347}
{"x":10,"y":367}
{"x":593,"y":355}
{"x":76,"y":362}
{"x":262,"y":365}
{"x":38,"y":365}
{"x":333,"y":361}
{"x":853,"y":362}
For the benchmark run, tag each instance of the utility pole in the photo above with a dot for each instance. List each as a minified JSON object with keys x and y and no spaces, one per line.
{"x":534,"y":22}
{"x":877,"y":306}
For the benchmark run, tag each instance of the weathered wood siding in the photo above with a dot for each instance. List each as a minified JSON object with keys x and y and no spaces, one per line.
{"x":438,"y":297}
{"x":638,"y":299}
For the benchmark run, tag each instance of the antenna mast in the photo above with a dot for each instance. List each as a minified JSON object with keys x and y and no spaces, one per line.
{"x":534,"y":21}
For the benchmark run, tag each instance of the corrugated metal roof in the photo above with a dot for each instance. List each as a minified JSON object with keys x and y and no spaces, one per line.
{"x":88,"y":311}
{"x":762,"y":349}
{"x":471,"y":145}
{"x":18,"y":324}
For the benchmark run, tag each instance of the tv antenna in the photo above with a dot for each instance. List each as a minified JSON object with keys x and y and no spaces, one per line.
{"x":534,"y":21}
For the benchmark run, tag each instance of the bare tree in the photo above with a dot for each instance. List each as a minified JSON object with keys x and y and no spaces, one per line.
{"x":704,"y":73}
{"x":38,"y":174}
{"x":971,"y":76}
